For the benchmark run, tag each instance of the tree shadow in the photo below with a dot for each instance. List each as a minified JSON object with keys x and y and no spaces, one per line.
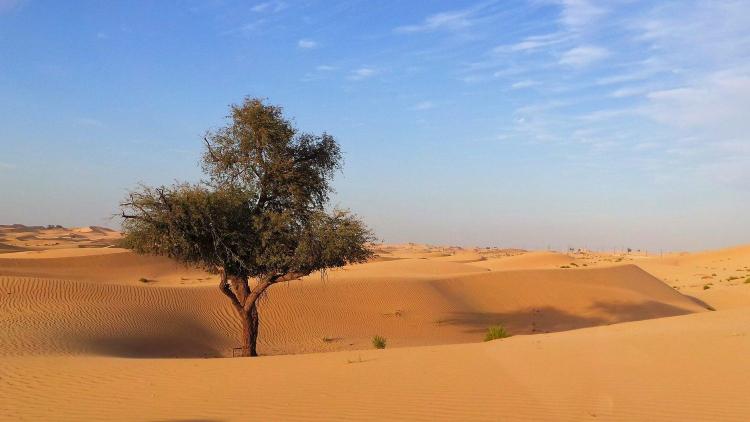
{"x":549,"y":319}
{"x":157,"y":335}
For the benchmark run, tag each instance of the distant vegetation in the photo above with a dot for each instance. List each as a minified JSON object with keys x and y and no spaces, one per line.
{"x":259,"y":218}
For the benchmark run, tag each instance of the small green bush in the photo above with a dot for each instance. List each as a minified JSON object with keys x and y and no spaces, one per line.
{"x":495,"y":332}
{"x":379,"y":342}
{"x":144,"y":280}
{"x":747,"y":280}
{"x":706,"y":286}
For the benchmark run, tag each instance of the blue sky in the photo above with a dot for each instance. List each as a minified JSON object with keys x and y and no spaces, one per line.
{"x":511,"y":123}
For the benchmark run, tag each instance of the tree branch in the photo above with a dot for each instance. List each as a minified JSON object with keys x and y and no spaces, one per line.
{"x":287,"y":277}
{"x":227,"y":290}
{"x":210,"y":149}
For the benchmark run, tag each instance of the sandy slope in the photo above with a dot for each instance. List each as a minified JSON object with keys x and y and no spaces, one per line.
{"x":80,"y":331}
{"x":412,"y":307}
{"x":111,"y":266}
{"x":687,"y":368}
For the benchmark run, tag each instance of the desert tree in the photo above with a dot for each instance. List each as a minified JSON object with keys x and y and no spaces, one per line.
{"x":259,"y":218}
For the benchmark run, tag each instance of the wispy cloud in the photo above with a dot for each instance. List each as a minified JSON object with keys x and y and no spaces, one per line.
{"x":534,"y":42}
{"x":306,"y":44}
{"x":324,"y":68}
{"x":362,"y":73}
{"x":450,"y":21}
{"x":583,"y":56}
{"x":626,"y":92}
{"x":717,"y":105}
{"x":528,"y":83}
{"x":269,"y":7}
{"x":576,"y":14}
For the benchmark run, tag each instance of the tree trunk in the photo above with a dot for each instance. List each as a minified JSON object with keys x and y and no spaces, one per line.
{"x":250,"y":325}
{"x":245,"y":301}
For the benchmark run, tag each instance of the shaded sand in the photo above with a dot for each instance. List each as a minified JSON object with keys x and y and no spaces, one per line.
{"x":687,"y":368}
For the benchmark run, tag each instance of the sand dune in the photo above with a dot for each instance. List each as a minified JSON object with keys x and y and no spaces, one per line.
{"x":530,"y":260}
{"x":719,"y":278}
{"x":657,"y":370}
{"x":80,"y":328}
{"x":109,"y":265}
{"x":62,"y":253}
{"x":411,"y":302}
{"x":21,"y":237}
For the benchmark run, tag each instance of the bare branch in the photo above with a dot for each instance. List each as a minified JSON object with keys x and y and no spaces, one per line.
{"x":227,"y":290}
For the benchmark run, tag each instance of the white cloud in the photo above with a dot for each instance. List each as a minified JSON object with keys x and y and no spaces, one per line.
{"x":524,"y":84}
{"x":324,"y":68}
{"x":306,"y":44}
{"x":450,"y":21}
{"x":533,"y":42}
{"x":576,"y":14}
{"x":623,"y":77}
{"x":583,"y":56}
{"x":362,"y":73}
{"x":717,"y":105}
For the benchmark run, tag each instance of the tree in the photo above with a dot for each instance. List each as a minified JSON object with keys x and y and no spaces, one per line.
{"x":259,"y":219}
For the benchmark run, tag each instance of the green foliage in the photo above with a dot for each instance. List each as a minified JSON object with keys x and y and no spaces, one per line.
{"x":379,"y":342}
{"x":496,"y":332}
{"x":261,"y":211}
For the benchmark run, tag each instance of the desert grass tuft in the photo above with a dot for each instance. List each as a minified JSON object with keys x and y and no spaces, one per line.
{"x":496,"y":332}
{"x":379,"y":342}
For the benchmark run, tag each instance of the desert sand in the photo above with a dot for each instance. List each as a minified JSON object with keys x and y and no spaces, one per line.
{"x":89,"y":331}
